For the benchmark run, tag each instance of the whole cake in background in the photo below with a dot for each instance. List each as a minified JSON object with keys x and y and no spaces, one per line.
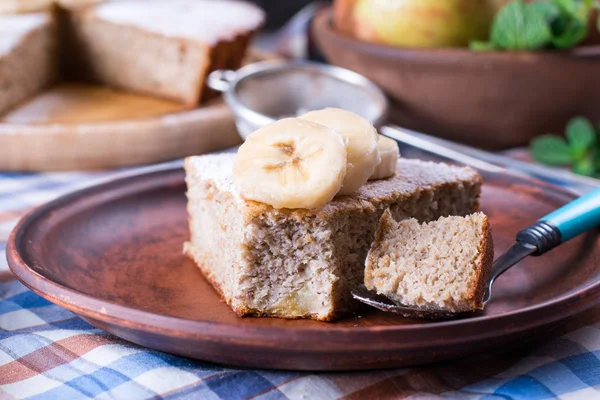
{"x":165,"y":48}
{"x":162,"y":48}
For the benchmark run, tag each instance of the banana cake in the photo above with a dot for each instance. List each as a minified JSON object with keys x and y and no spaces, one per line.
{"x":160,"y":48}
{"x":302,"y":263}
{"x":438,"y":265}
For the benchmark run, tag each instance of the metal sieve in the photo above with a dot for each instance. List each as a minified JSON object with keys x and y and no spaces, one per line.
{"x":264,"y":92}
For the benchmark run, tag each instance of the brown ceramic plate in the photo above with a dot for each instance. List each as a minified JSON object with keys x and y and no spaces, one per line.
{"x":113,"y":255}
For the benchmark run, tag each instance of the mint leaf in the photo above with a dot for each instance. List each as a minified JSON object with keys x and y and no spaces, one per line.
{"x":551,"y":149}
{"x":520,"y":27}
{"x":549,"y":11}
{"x":581,"y":149}
{"x":571,"y":26}
{"x":537,"y":31}
{"x":507,"y":26}
{"x":569,"y":7}
{"x":581,"y":137}
{"x":559,"y":24}
{"x":574,"y":32}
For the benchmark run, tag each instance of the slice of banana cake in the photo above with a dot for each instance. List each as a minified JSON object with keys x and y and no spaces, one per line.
{"x":301,"y":263}
{"x":438,"y":265}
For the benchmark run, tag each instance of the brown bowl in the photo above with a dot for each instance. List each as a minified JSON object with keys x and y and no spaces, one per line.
{"x":492,"y":100}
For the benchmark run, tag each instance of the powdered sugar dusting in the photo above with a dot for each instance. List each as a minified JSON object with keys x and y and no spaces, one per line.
{"x":215,"y":167}
{"x":207,"y":20}
{"x":410,"y":175}
{"x":14,"y":27}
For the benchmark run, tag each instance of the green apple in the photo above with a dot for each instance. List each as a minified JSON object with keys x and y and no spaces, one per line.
{"x":421,"y":23}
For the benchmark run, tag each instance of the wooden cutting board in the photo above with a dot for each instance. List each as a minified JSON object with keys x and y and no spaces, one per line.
{"x":82,"y":126}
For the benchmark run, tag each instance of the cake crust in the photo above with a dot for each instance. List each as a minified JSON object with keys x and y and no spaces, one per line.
{"x":481,"y":280}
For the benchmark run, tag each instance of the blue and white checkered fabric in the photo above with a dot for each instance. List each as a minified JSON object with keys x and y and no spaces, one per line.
{"x":46,"y":352}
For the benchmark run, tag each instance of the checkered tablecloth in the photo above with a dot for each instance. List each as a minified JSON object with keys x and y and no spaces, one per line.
{"x":46,"y":352}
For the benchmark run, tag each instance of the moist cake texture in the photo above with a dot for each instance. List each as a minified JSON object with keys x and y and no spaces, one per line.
{"x":298,"y":263}
{"x":439,"y":265}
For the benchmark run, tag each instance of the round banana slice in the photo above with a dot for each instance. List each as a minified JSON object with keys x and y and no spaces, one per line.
{"x":389,"y":152}
{"x":363,"y":153}
{"x":291,"y":163}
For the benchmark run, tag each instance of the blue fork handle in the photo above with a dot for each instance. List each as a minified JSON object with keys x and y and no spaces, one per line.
{"x":576,"y":217}
{"x":572,"y":219}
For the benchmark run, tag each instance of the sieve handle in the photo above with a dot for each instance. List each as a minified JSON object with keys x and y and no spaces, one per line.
{"x":220,"y":80}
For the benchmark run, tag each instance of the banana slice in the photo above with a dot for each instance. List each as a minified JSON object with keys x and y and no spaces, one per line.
{"x":291,"y":163}
{"x":363,"y":153}
{"x":389,"y":152}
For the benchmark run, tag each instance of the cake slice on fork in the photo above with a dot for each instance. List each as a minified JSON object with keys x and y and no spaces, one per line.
{"x":438,"y":265}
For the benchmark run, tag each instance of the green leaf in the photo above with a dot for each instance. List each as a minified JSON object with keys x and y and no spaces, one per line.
{"x":572,"y":24}
{"x":581,"y":137}
{"x":508,"y":25}
{"x":520,"y":27}
{"x":551,"y":149}
{"x":560,"y":24}
{"x":549,"y":11}
{"x":477,"y":45}
{"x":572,"y":34}
{"x":569,"y":7}
{"x":576,"y":9}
